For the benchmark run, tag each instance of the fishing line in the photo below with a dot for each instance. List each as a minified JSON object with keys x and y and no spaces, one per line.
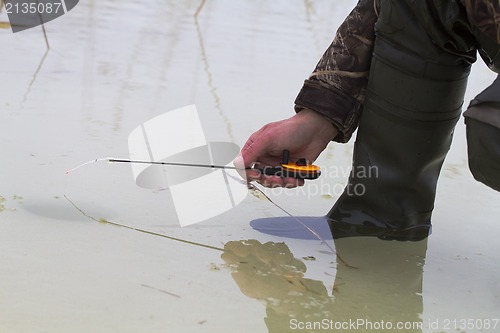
{"x":312,"y":231}
{"x":102,"y":220}
{"x":105,"y":221}
{"x":249,"y":185}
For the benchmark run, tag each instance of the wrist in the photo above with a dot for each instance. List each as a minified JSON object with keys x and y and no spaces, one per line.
{"x":325,"y":128}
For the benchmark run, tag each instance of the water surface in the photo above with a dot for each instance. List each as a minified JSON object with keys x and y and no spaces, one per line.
{"x":112,"y":66}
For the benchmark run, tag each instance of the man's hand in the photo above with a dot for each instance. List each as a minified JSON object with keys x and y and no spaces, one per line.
{"x":305,"y":135}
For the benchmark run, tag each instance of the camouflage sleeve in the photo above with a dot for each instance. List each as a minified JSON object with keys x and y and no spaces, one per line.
{"x":336,"y":88}
{"x":484,"y":17}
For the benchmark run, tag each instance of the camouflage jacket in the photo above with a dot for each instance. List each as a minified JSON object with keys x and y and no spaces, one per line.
{"x":336,"y":88}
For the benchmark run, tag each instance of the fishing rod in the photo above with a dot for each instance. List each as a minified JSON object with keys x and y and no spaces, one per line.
{"x":298,"y":170}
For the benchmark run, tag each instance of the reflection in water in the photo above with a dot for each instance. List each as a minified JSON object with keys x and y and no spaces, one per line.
{"x":269,"y":273}
{"x":384,"y":286}
{"x":138,"y":73}
{"x":35,"y":74}
{"x":206,"y":68}
{"x":40,"y":64}
{"x":378,"y":285}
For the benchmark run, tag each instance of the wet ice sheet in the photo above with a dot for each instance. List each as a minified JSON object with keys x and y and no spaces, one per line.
{"x":113,"y":65}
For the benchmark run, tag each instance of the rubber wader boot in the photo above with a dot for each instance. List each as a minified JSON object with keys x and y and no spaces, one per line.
{"x":414,"y":97}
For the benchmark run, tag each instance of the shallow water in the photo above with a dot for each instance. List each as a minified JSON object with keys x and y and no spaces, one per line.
{"x":114,"y":65}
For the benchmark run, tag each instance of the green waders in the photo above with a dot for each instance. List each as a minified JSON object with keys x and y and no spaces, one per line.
{"x":413,"y":102}
{"x":483,"y":136}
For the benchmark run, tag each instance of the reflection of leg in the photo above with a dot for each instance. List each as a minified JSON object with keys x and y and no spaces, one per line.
{"x":410,"y":111}
{"x":269,"y":273}
{"x":379,"y":281}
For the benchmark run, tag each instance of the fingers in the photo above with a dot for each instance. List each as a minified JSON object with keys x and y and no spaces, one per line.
{"x":265,"y":180}
{"x":265,"y":147}
{"x":242,"y":169}
{"x":275,"y":181}
{"x":258,"y":175}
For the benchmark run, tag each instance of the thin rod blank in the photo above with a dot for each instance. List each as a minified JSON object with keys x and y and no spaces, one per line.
{"x":176,"y":164}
